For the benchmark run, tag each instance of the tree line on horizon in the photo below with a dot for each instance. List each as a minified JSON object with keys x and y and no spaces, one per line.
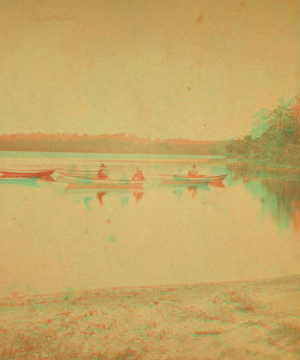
{"x":274,"y":139}
{"x":117,"y":143}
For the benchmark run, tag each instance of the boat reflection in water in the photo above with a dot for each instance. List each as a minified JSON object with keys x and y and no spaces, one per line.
{"x":124,"y":194}
{"x":87,"y":194}
{"x":217,"y":184}
{"x":193,"y":189}
{"x":100,"y":197}
{"x":47,"y":178}
{"x":138,"y":195}
{"x":279,"y":197}
{"x":206,"y":187}
{"x":124,"y":199}
{"x":31,"y":182}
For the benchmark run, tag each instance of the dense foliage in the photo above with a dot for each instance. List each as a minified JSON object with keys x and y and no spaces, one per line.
{"x":275,"y":136}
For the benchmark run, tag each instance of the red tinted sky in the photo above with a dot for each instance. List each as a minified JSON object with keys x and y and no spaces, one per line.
{"x":172,"y":68}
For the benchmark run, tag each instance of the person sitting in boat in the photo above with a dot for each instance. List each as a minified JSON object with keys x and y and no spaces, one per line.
{"x":101,"y":173}
{"x":193,"y":172}
{"x":138,"y":176}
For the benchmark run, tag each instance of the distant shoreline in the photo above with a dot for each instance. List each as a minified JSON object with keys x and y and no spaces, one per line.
{"x":271,"y":166}
{"x":111,"y":156}
{"x":218,"y":159}
{"x":118,"y":143}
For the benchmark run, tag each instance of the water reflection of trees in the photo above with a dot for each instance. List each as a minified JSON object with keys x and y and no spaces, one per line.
{"x":278,"y":191}
{"x":242,"y":170}
{"x":281,"y":199}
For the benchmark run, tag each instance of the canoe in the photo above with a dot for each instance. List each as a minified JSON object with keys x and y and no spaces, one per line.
{"x":174,"y":179}
{"x":100,"y":184}
{"x":91,"y":190}
{"x":26,"y":174}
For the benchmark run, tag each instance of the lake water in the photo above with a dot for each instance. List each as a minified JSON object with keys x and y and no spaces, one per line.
{"x":54,"y":239}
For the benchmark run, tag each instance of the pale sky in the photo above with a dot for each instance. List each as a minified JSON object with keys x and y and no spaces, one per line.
{"x":192,"y":69}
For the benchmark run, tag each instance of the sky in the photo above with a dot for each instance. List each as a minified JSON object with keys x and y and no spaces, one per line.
{"x":190,"y":69}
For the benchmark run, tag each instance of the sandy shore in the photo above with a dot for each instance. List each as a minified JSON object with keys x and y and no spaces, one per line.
{"x":253,"y":320}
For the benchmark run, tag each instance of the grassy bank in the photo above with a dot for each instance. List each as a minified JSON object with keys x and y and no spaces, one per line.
{"x":257,"y":320}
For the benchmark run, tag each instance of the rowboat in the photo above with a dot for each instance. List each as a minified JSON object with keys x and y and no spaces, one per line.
{"x":218,"y":179}
{"x":26,"y":174}
{"x":79,"y":183}
{"x":184,"y":180}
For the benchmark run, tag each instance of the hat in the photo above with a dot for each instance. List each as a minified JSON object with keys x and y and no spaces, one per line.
{"x":102,"y":165}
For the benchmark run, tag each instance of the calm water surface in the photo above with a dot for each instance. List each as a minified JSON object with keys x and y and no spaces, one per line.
{"x":55,"y":239}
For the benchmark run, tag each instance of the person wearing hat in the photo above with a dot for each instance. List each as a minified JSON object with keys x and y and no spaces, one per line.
{"x":101,"y":173}
{"x":138,"y":176}
{"x":193,"y":172}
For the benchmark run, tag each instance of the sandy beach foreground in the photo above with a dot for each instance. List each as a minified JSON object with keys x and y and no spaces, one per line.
{"x":241,"y":320}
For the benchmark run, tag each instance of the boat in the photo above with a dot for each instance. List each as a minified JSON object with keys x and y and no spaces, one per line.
{"x":78,"y":183}
{"x":26,"y":174}
{"x":218,"y":179}
{"x":185,"y":180}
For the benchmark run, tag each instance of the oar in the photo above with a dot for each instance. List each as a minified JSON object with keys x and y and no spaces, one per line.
{"x":166,"y":175}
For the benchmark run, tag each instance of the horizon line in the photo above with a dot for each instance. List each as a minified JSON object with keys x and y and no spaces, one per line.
{"x":127,"y":136}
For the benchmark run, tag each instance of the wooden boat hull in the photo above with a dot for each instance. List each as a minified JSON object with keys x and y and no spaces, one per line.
{"x":26,"y":174}
{"x":106,"y":186}
{"x":79,"y":183}
{"x":173,"y":179}
{"x":219,"y":178}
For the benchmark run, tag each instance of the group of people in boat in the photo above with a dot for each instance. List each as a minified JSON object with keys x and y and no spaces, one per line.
{"x":138,"y":176}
